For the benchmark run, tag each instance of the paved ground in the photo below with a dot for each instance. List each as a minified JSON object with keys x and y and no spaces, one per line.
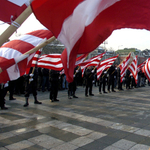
{"x":114,"y":121}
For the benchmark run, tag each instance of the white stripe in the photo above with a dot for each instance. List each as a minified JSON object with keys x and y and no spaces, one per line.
{"x":19,"y":2}
{"x":33,"y":40}
{"x":47,"y":64}
{"x":83,"y":15}
{"x":20,"y":58}
{"x":9,"y":53}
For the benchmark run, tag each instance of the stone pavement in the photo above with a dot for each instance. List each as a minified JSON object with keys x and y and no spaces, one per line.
{"x":113,"y":121}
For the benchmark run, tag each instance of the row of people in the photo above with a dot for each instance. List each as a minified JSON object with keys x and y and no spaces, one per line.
{"x":109,"y":77}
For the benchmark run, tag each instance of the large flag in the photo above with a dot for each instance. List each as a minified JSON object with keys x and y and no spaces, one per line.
{"x":11,"y":9}
{"x":123,"y":66}
{"x":82,"y":25}
{"x":146,"y":69}
{"x":50,"y":61}
{"x":105,"y":64}
{"x":14,"y":50}
{"x":133,"y":69}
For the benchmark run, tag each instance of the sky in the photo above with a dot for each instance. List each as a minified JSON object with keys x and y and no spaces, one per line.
{"x":119,"y":39}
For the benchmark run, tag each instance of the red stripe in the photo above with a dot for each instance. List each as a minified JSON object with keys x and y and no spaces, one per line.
{"x":41,"y":33}
{"x":19,"y":45}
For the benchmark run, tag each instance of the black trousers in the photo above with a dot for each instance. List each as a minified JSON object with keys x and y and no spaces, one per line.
{"x":54,"y":90}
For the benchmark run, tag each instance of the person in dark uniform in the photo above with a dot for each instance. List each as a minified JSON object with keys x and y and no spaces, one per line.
{"x":104,"y":80}
{"x":119,"y":79}
{"x":101,"y":83}
{"x":54,"y":80}
{"x":111,"y":79}
{"x":31,"y":86}
{"x":3,"y":91}
{"x":45,"y":79}
{"x":89,"y":76}
{"x":12,"y":89}
{"x":128,"y":79}
{"x":72,"y":86}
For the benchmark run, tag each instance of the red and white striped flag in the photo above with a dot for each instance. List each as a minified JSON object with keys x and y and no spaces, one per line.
{"x":146,"y":69}
{"x":123,"y":66}
{"x":105,"y":64}
{"x":133,"y":69}
{"x":94,"y":61}
{"x":11,"y":9}
{"x":80,"y":59}
{"x":82,"y":25}
{"x":50,"y":61}
{"x":13,"y":51}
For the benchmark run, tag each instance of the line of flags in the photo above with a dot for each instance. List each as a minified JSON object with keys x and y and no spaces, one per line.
{"x":15,"y":64}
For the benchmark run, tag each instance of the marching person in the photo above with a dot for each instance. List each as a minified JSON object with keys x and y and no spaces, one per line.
{"x":111,"y":79}
{"x":31,"y":86}
{"x":89,"y":76}
{"x":54,"y":80}
{"x":119,"y":78}
{"x":3,"y":91}
{"x":73,"y":85}
{"x":104,"y":80}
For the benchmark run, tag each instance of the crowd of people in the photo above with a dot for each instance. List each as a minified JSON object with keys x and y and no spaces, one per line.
{"x":41,"y":79}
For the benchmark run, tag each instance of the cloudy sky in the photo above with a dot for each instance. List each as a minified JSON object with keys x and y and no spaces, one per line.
{"x":120,"y":39}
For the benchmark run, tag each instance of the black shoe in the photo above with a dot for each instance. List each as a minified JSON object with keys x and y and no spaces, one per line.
{"x":109,"y":91}
{"x":113,"y":91}
{"x":37,"y":102}
{"x":75,"y":96}
{"x":104,"y":92}
{"x":100,"y":92}
{"x":51,"y":100}
{"x":91,"y":94}
{"x":4,"y":108}
{"x":26,"y":104}
{"x":12,"y":99}
{"x":86,"y":95}
{"x":56,"y":100}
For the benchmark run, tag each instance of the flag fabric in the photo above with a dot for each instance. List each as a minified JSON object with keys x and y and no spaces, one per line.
{"x":133,"y":69}
{"x":80,"y":59}
{"x":146,"y":69}
{"x":50,"y":61}
{"x":94,"y":61}
{"x":82,"y":25}
{"x":123,"y":67}
{"x":36,"y":57}
{"x":11,"y":9}
{"x":105,"y":64}
{"x":13,"y":51}
{"x":140,"y":66}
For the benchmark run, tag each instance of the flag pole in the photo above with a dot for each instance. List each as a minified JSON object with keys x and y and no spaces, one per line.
{"x":15,"y":25}
{"x":40,"y":46}
{"x":37,"y":48}
{"x":123,"y":59}
{"x":80,"y":66}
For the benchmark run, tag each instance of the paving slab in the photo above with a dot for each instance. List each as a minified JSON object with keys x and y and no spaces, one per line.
{"x":114,"y":121}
